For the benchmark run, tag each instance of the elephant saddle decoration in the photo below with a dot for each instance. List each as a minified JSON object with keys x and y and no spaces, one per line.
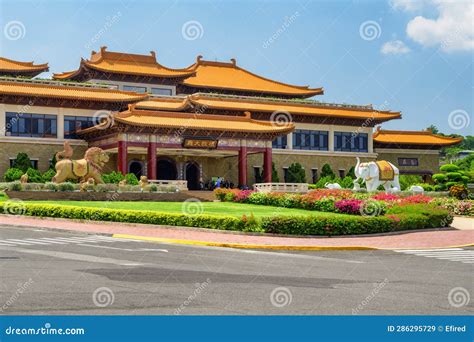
{"x":386,"y":171}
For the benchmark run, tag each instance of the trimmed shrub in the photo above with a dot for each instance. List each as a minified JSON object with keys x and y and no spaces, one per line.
{"x":51,"y":186}
{"x":321,"y":183}
{"x":426,"y":186}
{"x":22,"y":162}
{"x":34,"y":176}
{"x":346,"y":183}
{"x":48,"y":175}
{"x":12,"y":174}
{"x":296,"y":173}
{"x":439,"y":178}
{"x":326,"y":171}
{"x":454,"y":176}
{"x":66,"y":187}
{"x":113,"y":177}
{"x":449,"y":168}
{"x":275,"y":178}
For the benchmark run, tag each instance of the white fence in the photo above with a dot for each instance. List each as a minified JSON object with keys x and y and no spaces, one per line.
{"x":181,"y":185}
{"x":282,"y":187}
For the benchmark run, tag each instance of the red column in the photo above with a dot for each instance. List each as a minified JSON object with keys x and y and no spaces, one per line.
{"x":151,"y":160}
{"x":267,"y":165}
{"x":122,"y":157}
{"x":243,"y":166}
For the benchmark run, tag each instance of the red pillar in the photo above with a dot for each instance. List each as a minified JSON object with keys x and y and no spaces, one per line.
{"x":243,"y":166}
{"x":122,"y":157}
{"x":151,"y":160}
{"x":267,"y":165}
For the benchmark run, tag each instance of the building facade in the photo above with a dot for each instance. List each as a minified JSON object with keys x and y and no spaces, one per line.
{"x":208,"y":120}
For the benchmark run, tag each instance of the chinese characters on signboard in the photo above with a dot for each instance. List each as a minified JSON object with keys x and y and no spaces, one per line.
{"x":408,"y":161}
{"x":200,"y":143}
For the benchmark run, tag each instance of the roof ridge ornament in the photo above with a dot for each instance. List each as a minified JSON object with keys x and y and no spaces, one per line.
{"x":199,"y":59}
{"x":234,"y":61}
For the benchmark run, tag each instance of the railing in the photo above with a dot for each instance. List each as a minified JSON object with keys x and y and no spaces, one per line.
{"x":181,"y":185}
{"x":282,"y":187}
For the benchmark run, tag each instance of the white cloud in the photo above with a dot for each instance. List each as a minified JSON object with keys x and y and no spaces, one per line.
{"x":452,"y":30}
{"x":406,"y":5}
{"x":394,"y":47}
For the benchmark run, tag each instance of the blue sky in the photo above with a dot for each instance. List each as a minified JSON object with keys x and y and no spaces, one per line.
{"x":401,"y":61}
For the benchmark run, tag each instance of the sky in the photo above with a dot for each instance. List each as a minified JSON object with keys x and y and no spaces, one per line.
{"x":410,"y":56}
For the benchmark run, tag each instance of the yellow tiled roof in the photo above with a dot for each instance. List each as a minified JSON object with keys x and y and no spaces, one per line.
{"x":8,"y":65}
{"x":146,"y":118}
{"x":125,"y":63}
{"x":262,"y":105}
{"x":413,"y":138}
{"x":65,"y":92}
{"x":219,"y":75}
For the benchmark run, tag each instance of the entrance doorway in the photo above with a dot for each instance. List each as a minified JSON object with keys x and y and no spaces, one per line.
{"x":136,"y":167}
{"x":192,"y":176}
{"x":166,"y":169}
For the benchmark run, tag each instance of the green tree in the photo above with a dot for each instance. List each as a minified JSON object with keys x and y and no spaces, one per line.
{"x":22,"y":162}
{"x":326,"y":171}
{"x":275,"y":178}
{"x":433,"y":129}
{"x":296,"y":173}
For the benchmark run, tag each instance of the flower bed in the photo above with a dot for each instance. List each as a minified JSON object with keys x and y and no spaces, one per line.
{"x":344,"y":201}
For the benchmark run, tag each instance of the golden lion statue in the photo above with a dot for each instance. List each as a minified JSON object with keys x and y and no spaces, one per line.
{"x":83,"y":169}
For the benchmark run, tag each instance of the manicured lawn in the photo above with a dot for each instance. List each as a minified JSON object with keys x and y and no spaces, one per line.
{"x":209,"y":208}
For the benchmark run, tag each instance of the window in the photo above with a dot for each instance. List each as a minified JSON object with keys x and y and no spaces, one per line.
{"x":285,"y":174}
{"x":257,"y":175}
{"x":34,"y":163}
{"x":314,"y":175}
{"x":134,"y":88}
{"x":31,"y":125}
{"x":280,"y":142}
{"x":310,"y":140}
{"x":408,"y":161}
{"x":342,"y":173}
{"x":161,"y":91}
{"x":75,"y":123}
{"x":350,"y":142}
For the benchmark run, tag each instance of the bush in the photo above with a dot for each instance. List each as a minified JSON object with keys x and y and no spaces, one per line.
{"x":66,"y":187}
{"x":15,"y":186}
{"x":408,"y":180}
{"x":349,"y":206}
{"x":439,"y":178}
{"x":48,"y":175}
{"x":51,"y":186}
{"x":131,"y":179}
{"x":458,"y":191}
{"x":346,"y":183}
{"x":275,"y":178}
{"x":113,"y":177}
{"x":12,"y":174}
{"x":326,"y":171}
{"x":454,"y":176}
{"x":22,"y":162}
{"x":296,"y":173}
{"x":426,"y":186}
{"x":34,"y":176}
{"x":449,"y":168}
{"x":321,"y":183}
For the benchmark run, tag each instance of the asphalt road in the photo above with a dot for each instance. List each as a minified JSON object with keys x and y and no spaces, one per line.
{"x":77,"y":274}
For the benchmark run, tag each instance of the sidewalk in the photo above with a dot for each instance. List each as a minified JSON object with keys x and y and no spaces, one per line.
{"x":435,"y":238}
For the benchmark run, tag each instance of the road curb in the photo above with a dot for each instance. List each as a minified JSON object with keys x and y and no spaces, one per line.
{"x":238,"y":245}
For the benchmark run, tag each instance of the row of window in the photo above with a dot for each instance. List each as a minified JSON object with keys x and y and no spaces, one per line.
{"x":152,"y":90}
{"x":318,"y":140}
{"x":43,"y":125}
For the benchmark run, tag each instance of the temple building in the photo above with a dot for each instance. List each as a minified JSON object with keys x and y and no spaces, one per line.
{"x":207,"y":120}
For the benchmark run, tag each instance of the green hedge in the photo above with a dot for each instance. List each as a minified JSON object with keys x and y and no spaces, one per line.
{"x":410,"y":218}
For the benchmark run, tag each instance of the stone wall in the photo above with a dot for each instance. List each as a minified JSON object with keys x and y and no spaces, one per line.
{"x":428,"y":160}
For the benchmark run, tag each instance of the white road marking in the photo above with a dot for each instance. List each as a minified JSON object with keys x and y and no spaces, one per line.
{"x":20,"y":242}
{"x":78,"y":257}
{"x":451,"y":254}
{"x":126,"y":249}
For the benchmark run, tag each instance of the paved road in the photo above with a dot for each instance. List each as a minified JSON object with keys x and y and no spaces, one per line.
{"x":50,"y":272}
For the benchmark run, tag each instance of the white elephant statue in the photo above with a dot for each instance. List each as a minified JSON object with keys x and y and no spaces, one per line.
{"x":332,"y":186}
{"x":416,"y":189}
{"x":370,"y":174}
